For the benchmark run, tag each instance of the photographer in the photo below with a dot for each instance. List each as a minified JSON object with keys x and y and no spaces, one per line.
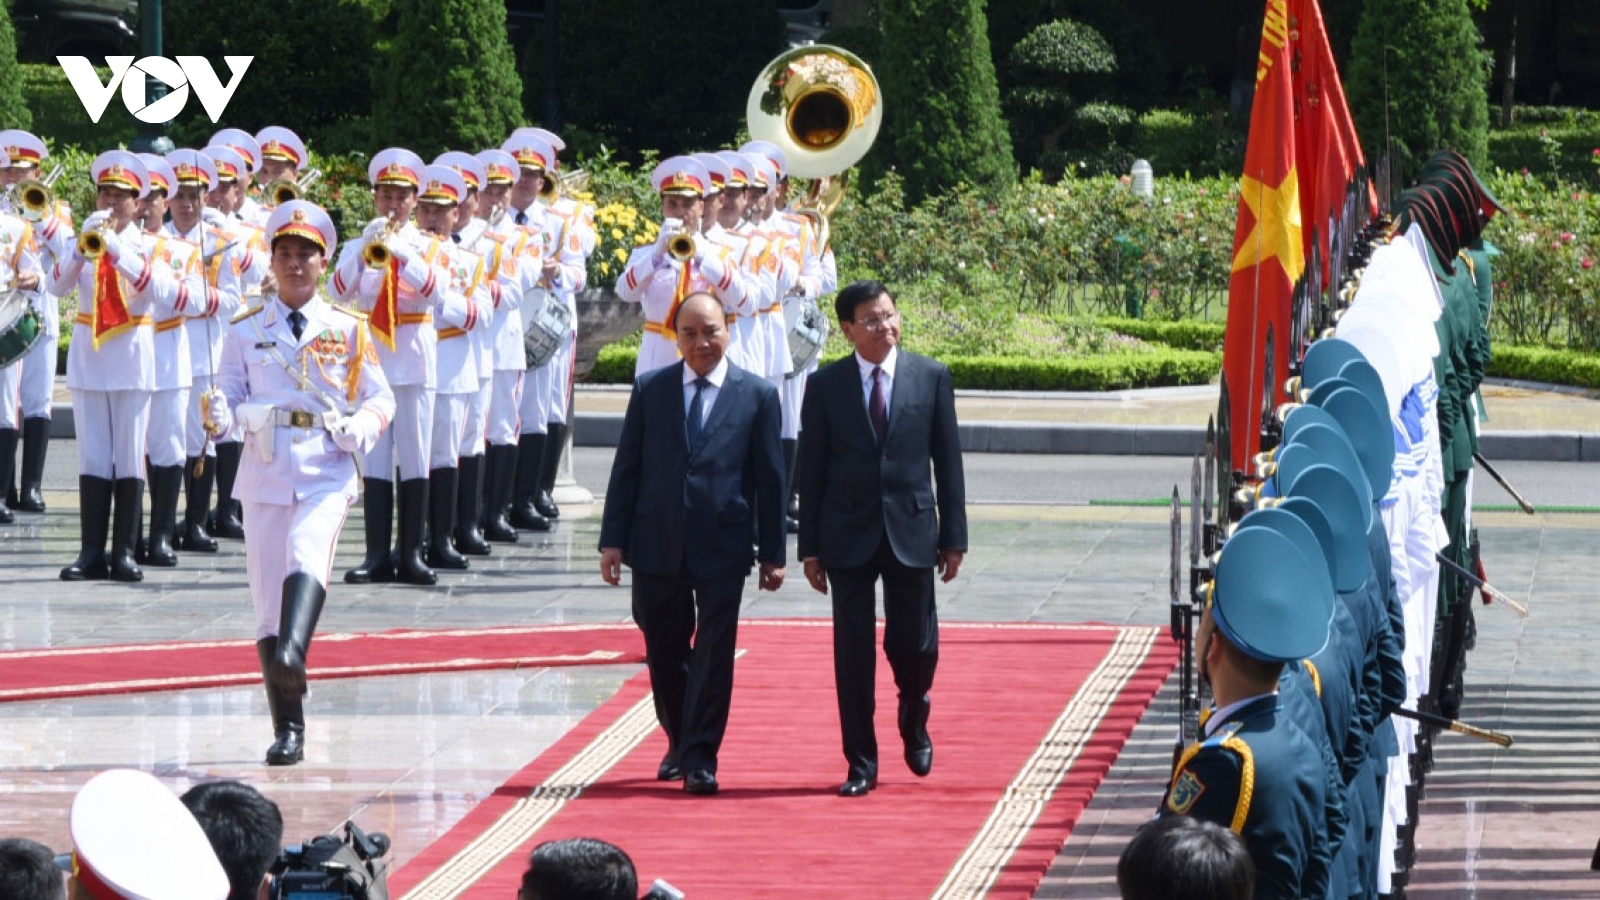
{"x":579,"y":869}
{"x":245,"y":830}
{"x":28,"y":872}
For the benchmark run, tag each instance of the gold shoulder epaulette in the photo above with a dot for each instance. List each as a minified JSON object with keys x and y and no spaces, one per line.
{"x":245,"y":314}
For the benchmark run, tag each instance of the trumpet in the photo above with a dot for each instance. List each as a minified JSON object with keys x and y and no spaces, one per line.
{"x":282,"y":190}
{"x":377,"y":254}
{"x":91,"y":244}
{"x":565,"y":183}
{"x":680,"y":246}
{"x":35,"y":198}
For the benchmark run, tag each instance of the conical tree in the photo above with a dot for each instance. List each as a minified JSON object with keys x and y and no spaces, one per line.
{"x":1426,"y":59}
{"x":13,"y":111}
{"x":941,"y":100}
{"x":450,"y":79}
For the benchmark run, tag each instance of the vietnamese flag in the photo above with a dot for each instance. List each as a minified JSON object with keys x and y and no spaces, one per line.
{"x":1268,"y":247}
{"x":1326,"y":149}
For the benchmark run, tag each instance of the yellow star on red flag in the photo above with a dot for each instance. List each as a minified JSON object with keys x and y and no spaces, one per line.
{"x":1277,"y":229}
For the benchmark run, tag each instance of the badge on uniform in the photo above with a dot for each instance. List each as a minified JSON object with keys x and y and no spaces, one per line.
{"x":1185,"y":791}
{"x":330,"y":347}
{"x":266,"y":345}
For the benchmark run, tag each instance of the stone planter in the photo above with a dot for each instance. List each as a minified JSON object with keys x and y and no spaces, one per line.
{"x":603,"y":319}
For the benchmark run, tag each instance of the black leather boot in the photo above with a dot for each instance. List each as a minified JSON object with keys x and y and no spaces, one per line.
{"x":225,"y":520}
{"x":530,"y":456}
{"x":377,"y":510}
{"x":297,"y":623}
{"x":165,"y":482}
{"x":94,"y":518}
{"x":791,"y":454}
{"x":197,"y":500}
{"x":35,"y":440}
{"x":501,"y":481}
{"x":553,"y":448}
{"x":126,"y":511}
{"x":442,"y":487}
{"x":8,"y":467}
{"x":288,"y":718}
{"x":413,"y":513}
{"x":469,"y":500}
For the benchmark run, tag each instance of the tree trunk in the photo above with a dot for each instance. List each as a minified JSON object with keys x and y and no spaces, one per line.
{"x":1508,"y":89}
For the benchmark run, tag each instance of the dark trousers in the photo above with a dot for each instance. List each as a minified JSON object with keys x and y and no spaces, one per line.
{"x":910,"y":641}
{"x":692,"y":682}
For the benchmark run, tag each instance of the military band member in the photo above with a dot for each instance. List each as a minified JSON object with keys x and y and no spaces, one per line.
{"x":19,"y":270}
{"x":283,"y":155}
{"x":659,"y":281}
{"x":111,"y":364}
{"x":36,"y":372}
{"x":301,"y":377}
{"x":775,"y":264}
{"x":249,"y":149}
{"x":559,"y":252}
{"x":399,"y":297}
{"x":169,"y":402}
{"x":224,"y":262}
{"x":745,"y":347}
{"x":458,"y":353}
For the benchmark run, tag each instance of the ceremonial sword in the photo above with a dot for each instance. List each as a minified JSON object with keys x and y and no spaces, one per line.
{"x":1484,"y":587}
{"x":1484,"y":464}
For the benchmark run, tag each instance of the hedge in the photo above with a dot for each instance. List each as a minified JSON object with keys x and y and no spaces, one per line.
{"x":1546,"y":365}
{"x":1187,"y":334}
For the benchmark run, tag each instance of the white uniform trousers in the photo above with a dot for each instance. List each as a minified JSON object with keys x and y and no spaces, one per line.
{"x":534,"y":409}
{"x":560,"y":367}
{"x":794,"y":392}
{"x":449,"y":427}
{"x":11,"y":396}
{"x":164,"y":439}
{"x":111,"y":427}
{"x":408,"y":439}
{"x":194,"y":430}
{"x":505,"y":400}
{"x":310,"y":529}
{"x":38,"y":369}
{"x":475,"y":437}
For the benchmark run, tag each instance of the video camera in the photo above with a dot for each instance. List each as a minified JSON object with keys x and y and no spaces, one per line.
{"x":329,"y":867}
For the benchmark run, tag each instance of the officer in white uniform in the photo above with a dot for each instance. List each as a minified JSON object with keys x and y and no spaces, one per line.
{"x":132,"y":838}
{"x":283,"y":155}
{"x":558,"y":248}
{"x":19,"y":268}
{"x":35,"y":373}
{"x":249,"y":149}
{"x":111,"y":365}
{"x":222,"y":258}
{"x":745,"y":348}
{"x":301,"y":378}
{"x":399,"y":298}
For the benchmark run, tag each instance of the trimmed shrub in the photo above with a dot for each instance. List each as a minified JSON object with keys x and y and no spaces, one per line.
{"x":13,"y":110}
{"x":1546,"y":365}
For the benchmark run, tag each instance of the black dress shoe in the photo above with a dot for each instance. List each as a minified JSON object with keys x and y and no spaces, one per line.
{"x":288,"y":749}
{"x":919,"y":757}
{"x":857,"y":787}
{"x":669,"y":769}
{"x":700,"y":782}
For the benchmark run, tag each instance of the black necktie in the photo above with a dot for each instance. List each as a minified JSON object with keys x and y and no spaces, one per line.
{"x":456,"y":238}
{"x":876,"y":406}
{"x":522,"y":217}
{"x":297,"y":321}
{"x":696,"y":413}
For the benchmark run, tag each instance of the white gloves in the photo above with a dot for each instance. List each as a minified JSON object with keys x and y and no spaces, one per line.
{"x":374,"y":227}
{"x":357,"y":433}
{"x":213,"y":217}
{"x":216,"y":414}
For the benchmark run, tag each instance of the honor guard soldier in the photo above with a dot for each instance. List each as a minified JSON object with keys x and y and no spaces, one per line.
{"x":249,"y":149}
{"x":223,"y":260}
{"x":35,"y":373}
{"x":458,"y":353}
{"x":283,"y":155}
{"x":254,"y":280}
{"x":301,"y":378}
{"x":19,"y":271}
{"x":384,"y":273}
{"x":133,"y":839}
{"x":745,"y":348}
{"x":549,"y":311}
{"x":660,"y":276}
{"x":764,"y":266}
{"x":111,"y":364}
{"x":1255,"y":771}
{"x":169,"y":402}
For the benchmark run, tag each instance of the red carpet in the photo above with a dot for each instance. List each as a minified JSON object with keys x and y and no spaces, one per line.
{"x":77,"y":671}
{"x":1026,"y":722}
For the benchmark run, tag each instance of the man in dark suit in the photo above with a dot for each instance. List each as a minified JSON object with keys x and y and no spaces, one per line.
{"x":873,"y":427}
{"x":699,"y":458}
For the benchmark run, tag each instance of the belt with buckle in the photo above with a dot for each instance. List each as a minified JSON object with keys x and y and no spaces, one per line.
{"x":297,"y":418}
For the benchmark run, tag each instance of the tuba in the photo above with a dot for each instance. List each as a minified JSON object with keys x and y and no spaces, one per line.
{"x":822,"y":107}
{"x":35,"y":198}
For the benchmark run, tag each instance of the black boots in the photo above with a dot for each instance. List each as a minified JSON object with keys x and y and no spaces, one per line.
{"x":530,"y":459}
{"x":413,"y":513}
{"x":791,"y":454}
{"x":225,"y":520}
{"x":165,"y":483}
{"x":501,"y":481}
{"x":127,"y":510}
{"x":94,"y":517}
{"x":8,"y":463}
{"x":442,"y":487}
{"x":288,"y":713}
{"x":469,"y":499}
{"x":555,"y":444}
{"x":197,"y":500}
{"x":377,"y":508}
{"x":35,"y":438}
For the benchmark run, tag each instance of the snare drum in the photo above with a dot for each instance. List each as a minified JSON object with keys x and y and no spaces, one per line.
{"x":20,"y":327}
{"x":546,"y":331}
{"x":807,"y":336}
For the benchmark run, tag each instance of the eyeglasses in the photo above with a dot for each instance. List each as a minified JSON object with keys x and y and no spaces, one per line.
{"x":878,"y":324}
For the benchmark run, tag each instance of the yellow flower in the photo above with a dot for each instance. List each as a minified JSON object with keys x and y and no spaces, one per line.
{"x":640,"y":240}
{"x":621,"y":254}
{"x":616,"y":233}
{"x":605,"y":268}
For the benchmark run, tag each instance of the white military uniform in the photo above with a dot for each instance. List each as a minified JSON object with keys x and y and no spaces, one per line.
{"x":547,"y":238}
{"x":576,"y":238}
{"x":169,"y":402}
{"x":54,"y":238}
{"x":221,"y":267}
{"x":516,"y":273}
{"x":19,"y":257}
{"x":463,"y":310}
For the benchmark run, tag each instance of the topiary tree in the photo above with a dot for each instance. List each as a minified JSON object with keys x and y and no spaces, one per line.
{"x":942,"y":121}
{"x":1437,"y":81}
{"x":13,"y":111}
{"x":1058,"y":74}
{"x":450,"y":79}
